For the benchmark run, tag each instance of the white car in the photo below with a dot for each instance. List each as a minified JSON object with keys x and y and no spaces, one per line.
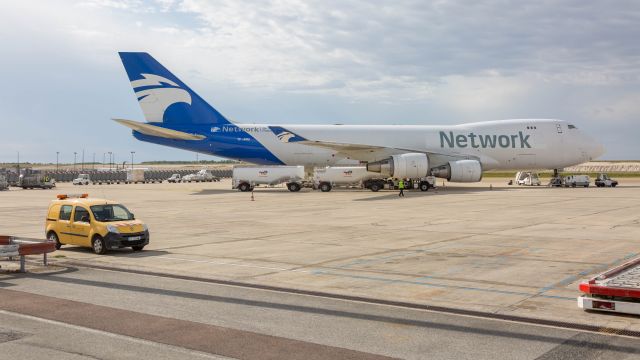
{"x":576,"y":180}
{"x":175,"y":178}
{"x":82,"y":179}
{"x":201,"y":176}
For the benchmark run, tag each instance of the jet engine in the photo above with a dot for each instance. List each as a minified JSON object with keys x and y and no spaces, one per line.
{"x":459,"y":171}
{"x":412,"y":166}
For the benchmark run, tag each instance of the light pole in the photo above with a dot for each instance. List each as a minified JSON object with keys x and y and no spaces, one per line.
{"x":82,"y":160}
{"x":104,"y":156}
{"x":110,"y":160}
{"x":57,"y":157}
{"x":133,"y":152}
{"x":74,"y":160}
{"x":93,"y":163}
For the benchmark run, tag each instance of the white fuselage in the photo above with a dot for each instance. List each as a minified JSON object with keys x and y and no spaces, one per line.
{"x":503,"y":144}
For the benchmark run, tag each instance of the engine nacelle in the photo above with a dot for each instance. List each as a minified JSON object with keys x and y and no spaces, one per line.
{"x":412,"y":166}
{"x":459,"y":171}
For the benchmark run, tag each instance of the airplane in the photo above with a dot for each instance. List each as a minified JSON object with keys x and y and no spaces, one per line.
{"x":178,"y":117}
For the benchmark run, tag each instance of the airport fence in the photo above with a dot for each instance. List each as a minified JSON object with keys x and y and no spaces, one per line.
{"x":119,"y":175}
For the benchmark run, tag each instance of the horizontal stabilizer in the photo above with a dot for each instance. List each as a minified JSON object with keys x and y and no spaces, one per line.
{"x":158,"y":131}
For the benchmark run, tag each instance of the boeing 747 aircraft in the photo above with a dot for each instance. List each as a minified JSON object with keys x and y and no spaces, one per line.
{"x":178,"y":117}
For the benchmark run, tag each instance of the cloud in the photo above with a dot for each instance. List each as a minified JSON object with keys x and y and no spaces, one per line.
{"x":411,"y":61}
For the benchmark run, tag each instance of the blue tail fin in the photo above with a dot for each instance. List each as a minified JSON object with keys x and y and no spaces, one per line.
{"x":163,"y":97}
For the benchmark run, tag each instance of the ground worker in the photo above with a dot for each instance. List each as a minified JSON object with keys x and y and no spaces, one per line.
{"x":401,"y":187}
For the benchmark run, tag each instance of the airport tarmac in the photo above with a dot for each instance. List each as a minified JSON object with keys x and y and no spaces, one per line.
{"x":500,"y":251}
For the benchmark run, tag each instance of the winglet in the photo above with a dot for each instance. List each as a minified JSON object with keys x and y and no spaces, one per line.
{"x":285,"y":135}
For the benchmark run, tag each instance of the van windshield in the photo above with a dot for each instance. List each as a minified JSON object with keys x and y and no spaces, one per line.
{"x":111,"y":212}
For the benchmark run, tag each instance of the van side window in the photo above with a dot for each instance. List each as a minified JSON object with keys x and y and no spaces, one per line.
{"x":65,"y":212}
{"x":80,"y":214}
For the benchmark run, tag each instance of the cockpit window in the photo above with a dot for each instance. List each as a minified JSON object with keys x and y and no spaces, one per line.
{"x":571,"y":126}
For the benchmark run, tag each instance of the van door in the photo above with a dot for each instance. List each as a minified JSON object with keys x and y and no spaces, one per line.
{"x":63,"y":228}
{"x":81,"y":226}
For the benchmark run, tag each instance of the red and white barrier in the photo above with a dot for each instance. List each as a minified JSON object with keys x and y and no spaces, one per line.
{"x":13,"y":246}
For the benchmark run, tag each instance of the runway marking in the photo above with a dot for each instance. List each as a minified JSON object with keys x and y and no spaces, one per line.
{"x":416,"y":282}
{"x":231,"y":264}
{"x":186,"y":334}
{"x":594,"y":269}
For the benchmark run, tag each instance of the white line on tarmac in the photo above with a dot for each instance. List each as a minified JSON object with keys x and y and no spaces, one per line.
{"x":115,"y":336}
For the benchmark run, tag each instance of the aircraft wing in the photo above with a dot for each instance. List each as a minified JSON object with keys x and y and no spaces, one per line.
{"x":153,"y":130}
{"x":357,"y":151}
{"x":354,"y":151}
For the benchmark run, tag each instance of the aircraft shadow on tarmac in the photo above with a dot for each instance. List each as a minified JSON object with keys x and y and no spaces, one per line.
{"x":440,"y":191}
{"x":214,"y":191}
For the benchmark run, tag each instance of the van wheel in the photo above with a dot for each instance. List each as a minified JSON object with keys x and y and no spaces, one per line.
{"x":98,"y":245}
{"x":325,"y":187}
{"x":53,"y":237}
{"x":424,"y":187}
{"x":244,"y":187}
{"x":137,"y":248}
{"x":293,"y":187}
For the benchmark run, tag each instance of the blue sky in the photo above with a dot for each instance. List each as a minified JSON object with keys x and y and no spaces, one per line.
{"x":286,"y":61}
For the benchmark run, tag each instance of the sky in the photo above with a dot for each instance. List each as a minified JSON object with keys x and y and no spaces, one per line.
{"x":323,"y":62}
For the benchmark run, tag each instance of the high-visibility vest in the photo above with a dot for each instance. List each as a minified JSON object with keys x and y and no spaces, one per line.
{"x":401,"y":184}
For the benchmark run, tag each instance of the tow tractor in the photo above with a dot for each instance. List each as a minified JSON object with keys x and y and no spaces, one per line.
{"x":616,"y":290}
{"x":603,"y":180}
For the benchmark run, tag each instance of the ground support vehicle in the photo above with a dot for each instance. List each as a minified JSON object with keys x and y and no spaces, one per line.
{"x":576,"y":180}
{"x":36,"y":181}
{"x":617,"y":290}
{"x":4,"y":184}
{"x":95,"y":223}
{"x":203,"y":175}
{"x":135,"y":176}
{"x":175,"y":178}
{"x":245,"y":178}
{"x":423,"y":184}
{"x":556,"y":181}
{"x":326,"y":178}
{"x":603,"y":180}
{"x":527,"y":178}
{"x":82,"y":179}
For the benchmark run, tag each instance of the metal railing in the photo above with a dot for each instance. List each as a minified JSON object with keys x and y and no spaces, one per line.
{"x":13,"y":246}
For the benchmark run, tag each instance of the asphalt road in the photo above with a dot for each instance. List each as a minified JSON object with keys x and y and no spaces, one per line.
{"x":81,"y":313}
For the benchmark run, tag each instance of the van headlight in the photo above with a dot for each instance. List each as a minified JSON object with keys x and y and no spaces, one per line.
{"x":112,"y":229}
{"x":145,"y":227}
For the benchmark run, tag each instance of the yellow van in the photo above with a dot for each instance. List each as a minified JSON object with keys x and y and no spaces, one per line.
{"x":96,"y":223}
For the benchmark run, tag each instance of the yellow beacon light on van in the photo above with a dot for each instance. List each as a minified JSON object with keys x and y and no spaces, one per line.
{"x":70,"y":196}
